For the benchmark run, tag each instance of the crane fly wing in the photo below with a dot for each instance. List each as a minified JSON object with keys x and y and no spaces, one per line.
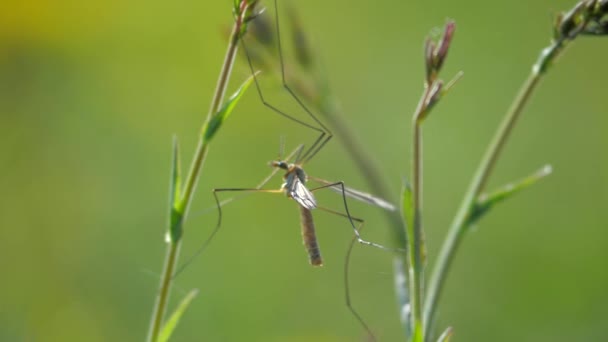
{"x":299,"y":192}
{"x":358,"y":195}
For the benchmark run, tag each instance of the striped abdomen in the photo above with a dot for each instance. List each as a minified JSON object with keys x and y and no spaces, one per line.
{"x":309,"y":237}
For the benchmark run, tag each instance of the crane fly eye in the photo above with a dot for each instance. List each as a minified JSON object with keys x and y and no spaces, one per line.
{"x":279,"y":163}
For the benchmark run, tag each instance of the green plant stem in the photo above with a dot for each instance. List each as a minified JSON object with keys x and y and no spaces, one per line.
{"x":183,"y":205}
{"x":459,"y":225}
{"x":163,"y":293}
{"x":415,"y":235}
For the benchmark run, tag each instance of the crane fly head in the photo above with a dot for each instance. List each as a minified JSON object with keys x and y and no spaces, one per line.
{"x":280,"y":164}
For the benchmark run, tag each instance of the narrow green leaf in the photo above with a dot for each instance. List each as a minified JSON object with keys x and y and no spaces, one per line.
{"x":403,"y":297}
{"x":408,"y":205}
{"x":446,"y":336}
{"x":176,"y":177}
{"x":216,"y":121}
{"x":401,"y":276}
{"x":488,"y":201}
{"x":170,"y":325}
{"x":175,"y":185}
{"x":417,"y":333}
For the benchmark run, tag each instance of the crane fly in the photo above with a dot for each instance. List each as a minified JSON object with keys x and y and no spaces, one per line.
{"x":295,"y":178}
{"x":294,"y":187}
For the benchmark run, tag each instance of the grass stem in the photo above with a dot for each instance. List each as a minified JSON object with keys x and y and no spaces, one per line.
{"x":459,"y":225}
{"x":183,"y":205}
{"x":416,"y":244}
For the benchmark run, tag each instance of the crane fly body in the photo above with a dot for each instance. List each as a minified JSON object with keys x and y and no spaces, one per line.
{"x":294,"y":186}
{"x":295,"y":178}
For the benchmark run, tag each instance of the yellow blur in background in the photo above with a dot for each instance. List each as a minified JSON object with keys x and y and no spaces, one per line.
{"x":91,"y":94}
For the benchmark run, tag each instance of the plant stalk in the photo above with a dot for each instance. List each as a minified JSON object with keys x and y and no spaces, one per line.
{"x":415,"y":236}
{"x":459,"y":225}
{"x":183,"y":205}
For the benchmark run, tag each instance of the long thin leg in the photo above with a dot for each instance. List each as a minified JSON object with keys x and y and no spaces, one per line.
{"x":219,"y":221}
{"x":350,"y":218}
{"x":348,"y":300}
{"x":324,"y":133}
{"x":312,"y":150}
{"x":358,"y":195}
{"x":259,"y":186}
{"x":347,"y":286}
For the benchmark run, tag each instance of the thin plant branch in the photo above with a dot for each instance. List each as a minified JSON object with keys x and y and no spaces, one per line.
{"x":435,"y":56}
{"x":566,"y":29}
{"x":242,"y":11}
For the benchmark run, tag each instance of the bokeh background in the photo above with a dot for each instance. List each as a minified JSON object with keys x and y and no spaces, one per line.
{"x":92,"y":92}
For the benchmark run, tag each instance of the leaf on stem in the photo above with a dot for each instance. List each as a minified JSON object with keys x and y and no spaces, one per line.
{"x":175,"y":232}
{"x":407,"y":204}
{"x":170,"y":325}
{"x":446,"y":336}
{"x":403,"y":297}
{"x":485,"y":202}
{"x":216,"y":121}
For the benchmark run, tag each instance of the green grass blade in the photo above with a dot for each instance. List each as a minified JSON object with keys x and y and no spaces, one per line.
{"x":487,"y":202}
{"x":446,"y":336}
{"x":401,"y":277}
{"x":403,"y":297}
{"x":170,"y":325}
{"x":175,"y":232}
{"x":176,"y":177}
{"x":216,"y":121}
{"x":407,"y":204}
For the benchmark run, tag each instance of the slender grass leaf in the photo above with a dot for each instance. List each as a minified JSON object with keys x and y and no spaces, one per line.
{"x":175,"y":231}
{"x":170,"y":325}
{"x":216,"y":121}
{"x":487,"y":202}
{"x":417,"y":333}
{"x":403,"y":296}
{"x":446,"y":336}
{"x":176,"y":177}
{"x":408,"y":204}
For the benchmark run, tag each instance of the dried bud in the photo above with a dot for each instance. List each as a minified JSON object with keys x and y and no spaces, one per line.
{"x":244,"y":11}
{"x":300,"y":41}
{"x":429,"y":58}
{"x":435,"y":55}
{"x":571,"y":23}
{"x":598,"y":21}
{"x":444,"y":45}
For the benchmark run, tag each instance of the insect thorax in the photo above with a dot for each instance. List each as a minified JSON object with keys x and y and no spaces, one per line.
{"x":293,"y":171}
{"x":300,"y":173}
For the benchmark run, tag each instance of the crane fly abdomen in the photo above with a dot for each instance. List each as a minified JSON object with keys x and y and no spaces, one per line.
{"x":309,"y":237}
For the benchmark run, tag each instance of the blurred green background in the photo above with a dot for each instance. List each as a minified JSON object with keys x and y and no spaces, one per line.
{"x":92,"y":92}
